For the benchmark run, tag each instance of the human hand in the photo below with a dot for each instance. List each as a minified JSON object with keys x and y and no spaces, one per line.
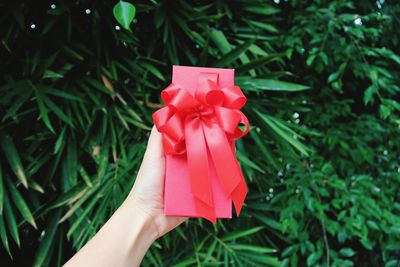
{"x":125,"y":238}
{"x":147,"y":193}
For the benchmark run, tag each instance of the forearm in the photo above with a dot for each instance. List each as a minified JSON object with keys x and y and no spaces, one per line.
{"x":122,"y":241}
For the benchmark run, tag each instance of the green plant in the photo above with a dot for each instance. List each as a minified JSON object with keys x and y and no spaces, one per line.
{"x":321,"y":161}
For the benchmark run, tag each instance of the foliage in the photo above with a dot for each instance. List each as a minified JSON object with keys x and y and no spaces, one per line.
{"x":322,"y":159}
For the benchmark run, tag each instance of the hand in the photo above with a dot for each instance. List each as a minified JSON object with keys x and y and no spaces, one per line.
{"x":127,"y":235}
{"x":147,"y":192}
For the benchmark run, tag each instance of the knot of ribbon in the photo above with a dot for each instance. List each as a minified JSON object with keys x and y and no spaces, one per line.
{"x":202,"y":125}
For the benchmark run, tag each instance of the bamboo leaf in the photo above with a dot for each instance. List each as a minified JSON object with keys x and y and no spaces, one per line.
{"x":264,"y":26}
{"x":280,"y":130}
{"x":10,"y":152}
{"x":246,"y":161}
{"x":68,"y":196}
{"x":3,"y":236}
{"x":185,"y":262}
{"x":81,"y":218}
{"x":153,"y":70}
{"x":255,"y":84}
{"x":257,"y":63}
{"x":59,"y":113}
{"x":42,"y":109}
{"x":1,"y":191}
{"x":260,"y":258}
{"x":60,"y":141}
{"x":49,"y":74}
{"x":210,"y":250}
{"x":220,"y":40}
{"x":262,"y":147}
{"x":234,"y":54}
{"x":21,"y":204}
{"x":247,"y":232}
{"x":61,"y":93}
{"x":35,"y":186}
{"x":85,"y":176}
{"x":262,"y":10}
{"x":11,"y":221}
{"x":76,"y":205}
{"x":17,"y":104}
{"x":252,"y":248}
{"x":43,"y":252}
{"x":107,"y":84}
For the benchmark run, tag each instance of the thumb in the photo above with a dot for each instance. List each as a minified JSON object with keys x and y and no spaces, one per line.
{"x":154,"y":150}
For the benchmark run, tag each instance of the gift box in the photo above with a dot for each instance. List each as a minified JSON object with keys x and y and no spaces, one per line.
{"x":199,"y":125}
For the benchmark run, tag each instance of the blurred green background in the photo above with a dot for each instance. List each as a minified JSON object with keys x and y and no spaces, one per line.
{"x":80,"y":80}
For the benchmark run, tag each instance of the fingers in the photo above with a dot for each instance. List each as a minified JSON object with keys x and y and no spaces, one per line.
{"x":154,"y":150}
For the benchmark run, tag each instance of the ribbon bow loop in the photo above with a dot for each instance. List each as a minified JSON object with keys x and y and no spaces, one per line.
{"x":206,"y":122}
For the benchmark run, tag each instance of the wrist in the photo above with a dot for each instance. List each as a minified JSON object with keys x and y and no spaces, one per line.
{"x":133,"y":232}
{"x":140,"y":220}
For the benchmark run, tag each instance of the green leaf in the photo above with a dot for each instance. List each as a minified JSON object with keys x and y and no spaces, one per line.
{"x":82,"y":217}
{"x":72,"y":53}
{"x":52,"y":75}
{"x":247,"y":162}
{"x":240,"y":234}
{"x":47,"y":241}
{"x":154,"y":71}
{"x":234,"y":54}
{"x":220,"y":40}
{"x":257,"y":63}
{"x":61,"y":93}
{"x":10,"y":152}
{"x":124,"y":13}
{"x":59,"y":142}
{"x":283,"y":131}
{"x":333,"y":77}
{"x":265,"y":260}
{"x":42,"y":109}
{"x":1,"y":191}
{"x":185,"y":262}
{"x":70,"y":196}
{"x":310,"y":59}
{"x":252,"y":248}
{"x":263,"y":148}
{"x":210,"y":250}
{"x":313,"y":258}
{"x":368,"y":94}
{"x":17,"y":104}
{"x":384,"y":111}
{"x":270,"y":222}
{"x":262,"y":9}
{"x":347,"y":252}
{"x":21,"y":204}
{"x":85,"y":176}
{"x":3,"y":236}
{"x":264,"y":26}
{"x":11,"y":221}
{"x":59,"y":113}
{"x":255,"y":84}
{"x":373,"y":225}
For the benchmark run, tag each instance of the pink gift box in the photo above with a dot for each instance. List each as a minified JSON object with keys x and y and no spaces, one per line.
{"x":179,"y":199}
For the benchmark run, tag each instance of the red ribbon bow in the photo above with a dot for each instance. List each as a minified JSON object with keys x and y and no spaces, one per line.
{"x":209,"y":119}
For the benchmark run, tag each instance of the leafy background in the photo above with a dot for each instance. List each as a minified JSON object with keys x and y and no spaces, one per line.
{"x":79,"y":83}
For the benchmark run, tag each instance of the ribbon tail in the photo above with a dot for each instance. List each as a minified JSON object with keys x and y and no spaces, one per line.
{"x":198,"y":169}
{"x":226,"y":164}
{"x":240,"y":192}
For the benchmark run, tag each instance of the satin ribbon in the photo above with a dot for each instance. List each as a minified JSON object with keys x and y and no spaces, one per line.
{"x":209,"y":120}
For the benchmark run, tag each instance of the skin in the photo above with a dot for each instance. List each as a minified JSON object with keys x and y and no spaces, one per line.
{"x":138,"y":222}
